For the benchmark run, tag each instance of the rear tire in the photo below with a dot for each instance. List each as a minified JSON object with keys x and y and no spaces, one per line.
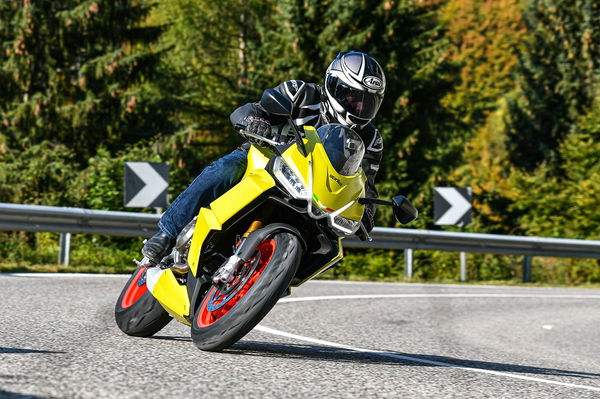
{"x":137,"y":312}
{"x":226,"y":315}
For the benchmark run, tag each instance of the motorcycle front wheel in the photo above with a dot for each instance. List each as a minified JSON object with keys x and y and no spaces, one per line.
{"x":228,"y":312}
{"x":137,"y":312}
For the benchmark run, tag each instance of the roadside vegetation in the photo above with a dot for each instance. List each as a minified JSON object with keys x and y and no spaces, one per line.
{"x":501,"y":96}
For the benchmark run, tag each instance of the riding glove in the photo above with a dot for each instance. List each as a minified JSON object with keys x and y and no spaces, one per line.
{"x":260,"y":126}
{"x":367,"y":219}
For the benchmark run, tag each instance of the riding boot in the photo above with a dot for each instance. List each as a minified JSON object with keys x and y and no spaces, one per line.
{"x":157,"y":247}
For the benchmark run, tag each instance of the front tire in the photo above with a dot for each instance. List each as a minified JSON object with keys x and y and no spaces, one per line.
{"x":226,"y":314}
{"x":137,"y":312}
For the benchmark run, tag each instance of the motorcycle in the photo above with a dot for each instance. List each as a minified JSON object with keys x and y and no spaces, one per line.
{"x":280,"y":226}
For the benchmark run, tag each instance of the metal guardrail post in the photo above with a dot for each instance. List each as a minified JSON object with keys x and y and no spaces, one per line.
{"x":527,"y":269}
{"x":408,"y":263}
{"x":64,"y":243}
{"x":463,"y":266}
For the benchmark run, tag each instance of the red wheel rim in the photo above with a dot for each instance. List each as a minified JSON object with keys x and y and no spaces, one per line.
{"x":220,"y":300}
{"x":136,"y":289}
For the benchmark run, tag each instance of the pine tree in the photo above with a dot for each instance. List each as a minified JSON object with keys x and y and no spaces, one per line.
{"x":209,"y":69}
{"x":556,"y":73}
{"x":294,"y":48}
{"x":75,"y":70}
{"x":7,"y":29}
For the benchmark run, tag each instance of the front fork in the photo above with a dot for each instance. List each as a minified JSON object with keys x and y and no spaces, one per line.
{"x":226,"y":273}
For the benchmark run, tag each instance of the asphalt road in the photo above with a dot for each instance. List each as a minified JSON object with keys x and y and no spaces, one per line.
{"x":328,"y":340}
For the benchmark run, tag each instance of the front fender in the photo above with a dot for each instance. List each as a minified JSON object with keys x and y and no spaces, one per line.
{"x":259,"y":235}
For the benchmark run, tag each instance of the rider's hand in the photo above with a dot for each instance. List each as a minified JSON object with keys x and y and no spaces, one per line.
{"x":258,"y":125}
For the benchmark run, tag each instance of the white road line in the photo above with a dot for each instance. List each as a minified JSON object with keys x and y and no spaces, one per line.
{"x":392,"y":296}
{"x":419,"y":360}
{"x":338,"y":282}
{"x":468,"y":286}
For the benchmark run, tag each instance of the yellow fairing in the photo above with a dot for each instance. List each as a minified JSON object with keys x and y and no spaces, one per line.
{"x":331,"y":190}
{"x":171,"y":295}
{"x":258,"y":158}
{"x":256,"y":181}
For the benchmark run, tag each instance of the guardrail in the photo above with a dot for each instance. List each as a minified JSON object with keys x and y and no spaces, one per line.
{"x":409,"y":240}
{"x":16,"y":217}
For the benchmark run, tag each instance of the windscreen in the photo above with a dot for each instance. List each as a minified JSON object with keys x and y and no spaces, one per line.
{"x":344,"y":148}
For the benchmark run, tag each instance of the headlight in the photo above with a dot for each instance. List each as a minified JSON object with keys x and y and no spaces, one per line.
{"x":295,"y":186}
{"x":343,"y":225}
{"x":292,"y":183}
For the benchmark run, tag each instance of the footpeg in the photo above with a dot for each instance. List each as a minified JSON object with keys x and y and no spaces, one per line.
{"x":181,"y":268}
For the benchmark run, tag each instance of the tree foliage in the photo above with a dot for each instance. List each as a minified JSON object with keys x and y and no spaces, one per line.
{"x":485,"y":41}
{"x":566,"y":205}
{"x":41,"y":175}
{"x":494,"y":95}
{"x":72,"y":72}
{"x":557,"y":73}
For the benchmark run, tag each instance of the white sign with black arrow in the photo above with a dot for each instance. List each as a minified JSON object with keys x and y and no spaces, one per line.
{"x":452,"y":206}
{"x":146,"y":184}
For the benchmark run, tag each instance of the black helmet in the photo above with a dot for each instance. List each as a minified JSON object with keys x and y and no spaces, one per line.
{"x":353,"y":90}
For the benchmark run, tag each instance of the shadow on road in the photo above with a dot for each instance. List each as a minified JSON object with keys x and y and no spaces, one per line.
{"x":325,"y":353}
{"x":14,"y":395}
{"x":19,"y":350}
{"x":167,"y":338}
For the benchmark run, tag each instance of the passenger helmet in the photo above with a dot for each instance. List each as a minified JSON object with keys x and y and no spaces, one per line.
{"x":353,"y":90}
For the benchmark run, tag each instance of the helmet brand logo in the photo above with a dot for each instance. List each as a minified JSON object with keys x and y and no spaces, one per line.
{"x":372,"y":82}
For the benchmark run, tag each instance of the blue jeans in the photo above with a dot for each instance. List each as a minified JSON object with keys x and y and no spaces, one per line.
{"x":214,"y":181}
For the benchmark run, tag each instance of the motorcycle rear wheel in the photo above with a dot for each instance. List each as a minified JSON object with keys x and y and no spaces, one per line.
{"x":137,"y":312}
{"x":226,"y":314}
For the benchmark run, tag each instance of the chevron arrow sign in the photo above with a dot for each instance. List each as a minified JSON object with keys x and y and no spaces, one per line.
{"x":452,"y":206}
{"x":146,"y":184}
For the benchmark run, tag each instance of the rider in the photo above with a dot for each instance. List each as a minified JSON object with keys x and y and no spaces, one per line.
{"x":352,"y":93}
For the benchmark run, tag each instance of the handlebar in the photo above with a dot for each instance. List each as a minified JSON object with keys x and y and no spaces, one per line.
{"x":259,"y":137}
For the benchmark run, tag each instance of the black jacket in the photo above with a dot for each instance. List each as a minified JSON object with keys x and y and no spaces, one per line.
{"x":306,"y":101}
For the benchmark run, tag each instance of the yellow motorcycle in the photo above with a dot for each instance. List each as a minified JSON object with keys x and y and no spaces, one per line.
{"x":280,"y":226}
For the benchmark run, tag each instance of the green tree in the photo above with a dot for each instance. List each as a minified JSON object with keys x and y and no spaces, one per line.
{"x":73,"y":74}
{"x":487,"y":170}
{"x":41,"y":175}
{"x":485,"y":37}
{"x":566,"y":205}
{"x":556,"y":73}
{"x":209,"y":70}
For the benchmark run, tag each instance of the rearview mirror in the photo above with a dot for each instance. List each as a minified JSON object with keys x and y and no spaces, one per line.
{"x":275,"y":103}
{"x":404,"y":211}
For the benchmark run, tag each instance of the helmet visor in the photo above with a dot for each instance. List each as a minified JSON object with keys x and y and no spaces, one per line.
{"x":358,"y":103}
